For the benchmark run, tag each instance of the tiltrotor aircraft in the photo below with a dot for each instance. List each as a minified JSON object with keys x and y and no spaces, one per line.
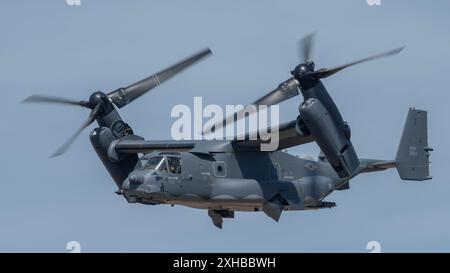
{"x":225,"y":176}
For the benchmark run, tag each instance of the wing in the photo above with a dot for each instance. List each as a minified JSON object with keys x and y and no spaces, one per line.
{"x":148,"y":146}
{"x":122,"y":147}
{"x":288,"y":137}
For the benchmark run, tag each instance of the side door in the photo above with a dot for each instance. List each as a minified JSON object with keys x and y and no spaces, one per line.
{"x":172,"y":175}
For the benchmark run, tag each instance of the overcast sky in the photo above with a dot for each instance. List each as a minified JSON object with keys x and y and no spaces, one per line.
{"x":51,"y":48}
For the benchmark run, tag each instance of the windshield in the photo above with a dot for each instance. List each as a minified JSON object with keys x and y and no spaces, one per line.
{"x":168,"y":164}
{"x":156,"y":163}
{"x":153,"y":162}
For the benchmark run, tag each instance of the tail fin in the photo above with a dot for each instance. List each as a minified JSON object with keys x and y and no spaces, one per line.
{"x":412,"y":160}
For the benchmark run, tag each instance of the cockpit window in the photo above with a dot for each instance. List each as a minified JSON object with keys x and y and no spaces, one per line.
{"x":174,"y":163}
{"x":161,"y":163}
{"x":162,"y":166}
{"x":156,"y":163}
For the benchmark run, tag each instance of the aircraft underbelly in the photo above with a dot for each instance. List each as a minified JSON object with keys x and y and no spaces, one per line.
{"x":232,"y":206}
{"x":236,"y":195}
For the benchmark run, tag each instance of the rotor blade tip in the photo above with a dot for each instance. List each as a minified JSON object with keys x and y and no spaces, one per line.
{"x":27,"y":99}
{"x":313,"y":33}
{"x":310,"y":35}
{"x":397,"y":50}
{"x":207,"y":51}
{"x":56,"y":154}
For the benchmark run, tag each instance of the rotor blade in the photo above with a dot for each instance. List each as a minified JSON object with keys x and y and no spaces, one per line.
{"x":123,"y":96}
{"x":284,"y":91}
{"x":69,"y":142}
{"x":326,"y":72}
{"x":306,"y":45}
{"x":54,"y":100}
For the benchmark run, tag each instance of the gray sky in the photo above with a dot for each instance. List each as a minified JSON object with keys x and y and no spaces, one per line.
{"x":51,"y":48}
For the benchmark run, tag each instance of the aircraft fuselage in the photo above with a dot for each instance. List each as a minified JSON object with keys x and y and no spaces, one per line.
{"x":242,"y":181}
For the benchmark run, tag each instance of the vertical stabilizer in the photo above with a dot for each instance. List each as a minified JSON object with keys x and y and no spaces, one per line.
{"x":412,"y":160}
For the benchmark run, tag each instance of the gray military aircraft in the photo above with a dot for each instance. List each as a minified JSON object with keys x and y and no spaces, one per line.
{"x":224,"y":176}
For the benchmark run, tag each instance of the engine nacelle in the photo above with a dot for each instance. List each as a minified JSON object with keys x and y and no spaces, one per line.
{"x":112,"y":128}
{"x":101,"y":138}
{"x":332,"y":139}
